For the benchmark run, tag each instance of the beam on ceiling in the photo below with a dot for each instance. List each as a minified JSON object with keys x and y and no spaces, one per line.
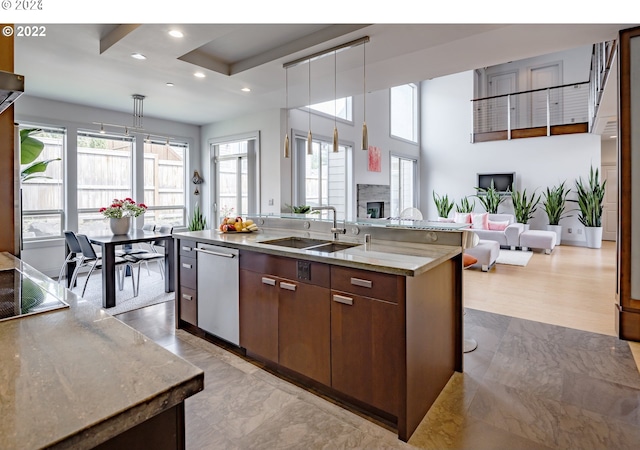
{"x":116,"y":35}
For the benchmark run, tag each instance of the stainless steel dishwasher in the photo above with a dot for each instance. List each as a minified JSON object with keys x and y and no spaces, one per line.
{"x":218,"y":291}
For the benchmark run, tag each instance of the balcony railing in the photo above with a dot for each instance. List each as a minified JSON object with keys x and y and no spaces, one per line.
{"x":537,"y":112}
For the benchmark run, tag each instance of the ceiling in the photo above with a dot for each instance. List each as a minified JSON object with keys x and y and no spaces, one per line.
{"x":91,"y":64}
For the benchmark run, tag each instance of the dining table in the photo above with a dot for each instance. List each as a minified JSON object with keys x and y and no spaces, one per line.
{"x":109,"y":242}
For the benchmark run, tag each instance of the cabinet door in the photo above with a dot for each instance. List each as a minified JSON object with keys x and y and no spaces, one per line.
{"x":304,"y":327}
{"x":259,"y":314}
{"x":189,"y":305}
{"x":366,"y":347}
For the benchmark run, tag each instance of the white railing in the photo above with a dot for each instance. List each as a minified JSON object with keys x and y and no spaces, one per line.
{"x":601,"y":60}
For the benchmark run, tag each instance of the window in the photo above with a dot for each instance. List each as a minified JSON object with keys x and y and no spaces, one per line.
{"x":322,"y":177}
{"x":164,"y":176}
{"x":42,"y":196}
{"x":404,"y":112}
{"x":104,"y":173}
{"x":403,"y":184}
{"x":340,"y":108}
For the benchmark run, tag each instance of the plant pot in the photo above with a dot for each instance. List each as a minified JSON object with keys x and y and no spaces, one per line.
{"x":120,"y":226}
{"x":526,"y":226}
{"x":593,"y":236}
{"x":557,"y":229}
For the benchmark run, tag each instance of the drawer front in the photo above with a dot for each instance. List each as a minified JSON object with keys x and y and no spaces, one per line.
{"x":188,"y":305}
{"x":304,"y":271}
{"x":366,"y":283}
{"x":188,"y":272}
{"x":187,"y":248}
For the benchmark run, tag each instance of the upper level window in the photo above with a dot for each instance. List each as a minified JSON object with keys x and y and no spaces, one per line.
{"x":404,"y":112}
{"x":403,"y":184}
{"x":42,"y":193}
{"x":340,"y":108}
{"x":164,"y":176}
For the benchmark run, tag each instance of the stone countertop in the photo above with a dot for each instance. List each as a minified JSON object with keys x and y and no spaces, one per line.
{"x":76,"y":377}
{"x":398,"y":258}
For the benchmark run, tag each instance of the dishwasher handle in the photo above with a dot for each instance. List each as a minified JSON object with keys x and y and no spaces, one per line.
{"x":210,"y":252}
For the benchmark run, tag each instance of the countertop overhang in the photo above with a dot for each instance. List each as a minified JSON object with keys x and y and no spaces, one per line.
{"x":76,"y":377}
{"x":398,"y":258}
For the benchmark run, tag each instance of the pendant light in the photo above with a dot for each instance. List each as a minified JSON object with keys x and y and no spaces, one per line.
{"x":286,"y":112}
{"x":335,"y":102}
{"x":309,"y":137}
{"x":365,"y":133}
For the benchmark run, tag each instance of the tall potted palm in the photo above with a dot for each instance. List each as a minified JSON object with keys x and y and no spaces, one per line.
{"x":554,"y":204}
{"x":590,"y":199}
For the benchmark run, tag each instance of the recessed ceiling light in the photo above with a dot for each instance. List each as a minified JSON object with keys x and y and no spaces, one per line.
{"x":246,"y":89}
{"x":199,"y":75}
{"x":138,"y":56}
{"x":176,"y":33}
{"x":170,"y":84}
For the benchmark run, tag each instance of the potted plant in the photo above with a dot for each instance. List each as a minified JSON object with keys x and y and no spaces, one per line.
{"x":30,"y":150}
{"x":490,"y":198}
{"x":120,"y":213}
{"x":198,"y":221}
{"x":554,"y":203}
{"x":590,"y":198}
{"x":465,"y":206}
{"x":443,"y":205}
{"x":524,"y":206}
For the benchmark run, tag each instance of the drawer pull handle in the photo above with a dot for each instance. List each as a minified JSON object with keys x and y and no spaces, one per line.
{"x":186,"y":266}
{"x":288,"y":286}
{"x":187,"y":249}
{"x":362,"y":283}
{"x":269,"y":281}
{"x":187,"y":297}
{"x":342,"y":299}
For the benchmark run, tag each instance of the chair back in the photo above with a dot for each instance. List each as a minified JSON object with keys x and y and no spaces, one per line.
{"x":411,"y":213}
{"x":163,"y":229}
{"x":87,"y":249}
{"x":149,"y":226}
{"x":72,"y":242}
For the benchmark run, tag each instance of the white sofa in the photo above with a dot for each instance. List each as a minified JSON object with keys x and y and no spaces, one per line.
{"x":510,"y":237}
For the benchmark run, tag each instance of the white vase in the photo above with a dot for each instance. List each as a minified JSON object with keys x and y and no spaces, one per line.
{"x":120,"y":226}
{"x":593,"y":236}
{"x":557,"y":229}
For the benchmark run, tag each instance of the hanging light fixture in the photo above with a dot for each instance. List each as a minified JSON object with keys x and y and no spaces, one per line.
{"x":335,"y":103}
{"x":365,"y":133}
{"x":286,"y":112}
{"x":138,"y":112}
{"x":309,"y":137}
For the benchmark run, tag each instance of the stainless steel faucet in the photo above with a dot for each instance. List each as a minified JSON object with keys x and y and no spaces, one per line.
{"x":335,"y":230}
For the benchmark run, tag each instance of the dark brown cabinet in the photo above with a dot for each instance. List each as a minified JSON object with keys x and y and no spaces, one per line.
{"x":258,"y":314}
{"x":188,"y":274}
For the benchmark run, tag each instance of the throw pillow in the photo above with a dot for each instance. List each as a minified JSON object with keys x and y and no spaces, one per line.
{"x":498,"y":225}
{"x":480,"y":221}
{"x":468,"y":260}
{"x":462,"y":217}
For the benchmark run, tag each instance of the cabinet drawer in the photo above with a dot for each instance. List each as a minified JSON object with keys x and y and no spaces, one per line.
{"x":188,"y":272}
{"x":188,"y":305}
{"x":303,"y":271}
{"x":366,"y":283}
{"x":187,"y":248}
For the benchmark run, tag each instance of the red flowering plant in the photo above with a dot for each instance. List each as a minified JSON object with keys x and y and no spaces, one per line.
{"x":124,"y":208}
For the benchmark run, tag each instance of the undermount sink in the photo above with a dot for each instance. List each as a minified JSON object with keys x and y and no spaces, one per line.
{"x":316,"y":245}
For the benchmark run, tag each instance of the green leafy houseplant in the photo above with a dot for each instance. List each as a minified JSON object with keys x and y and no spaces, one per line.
{"x":443,"y":204}
{"x":465,"y":206}
{"x":30,"y":150}
{"x":590,"y":198}
{"x":490,"y":198}
{"x":524,"y":206}
{"x":554,"y":203}
{"x":198,"y":221}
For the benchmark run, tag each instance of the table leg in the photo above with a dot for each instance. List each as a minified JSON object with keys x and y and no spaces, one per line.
{"x":108,"y":276}
{"x":169,"y":264}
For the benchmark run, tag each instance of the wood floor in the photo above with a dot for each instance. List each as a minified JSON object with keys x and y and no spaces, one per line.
{"x":574,"y":287}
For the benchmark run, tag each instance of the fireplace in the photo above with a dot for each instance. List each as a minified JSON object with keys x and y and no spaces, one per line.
{"x":374,"y":200}
{"x":375,"y":210}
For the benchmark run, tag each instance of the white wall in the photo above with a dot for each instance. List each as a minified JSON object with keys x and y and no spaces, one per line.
{"x":450,"y":163}
{"x":48,"y":256}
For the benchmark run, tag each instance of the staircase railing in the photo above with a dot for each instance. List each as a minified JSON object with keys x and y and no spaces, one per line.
{"x":602,"y":58}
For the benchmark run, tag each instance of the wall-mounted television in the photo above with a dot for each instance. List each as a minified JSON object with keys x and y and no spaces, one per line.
{"x":503,"y":182}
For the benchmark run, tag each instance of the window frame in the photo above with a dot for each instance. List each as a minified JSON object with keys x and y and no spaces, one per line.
{"x":415,"y":113}
{"x":416,"y":183}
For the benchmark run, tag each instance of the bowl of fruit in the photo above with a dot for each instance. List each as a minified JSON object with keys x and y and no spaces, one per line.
{"x":237,"y":225}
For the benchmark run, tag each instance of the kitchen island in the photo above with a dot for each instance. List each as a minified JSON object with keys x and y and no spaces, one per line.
{"x":76,"y":377}
{"x":374,"y":322}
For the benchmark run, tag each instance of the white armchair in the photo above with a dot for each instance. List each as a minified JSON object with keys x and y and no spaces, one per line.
{"x":503,"y":229}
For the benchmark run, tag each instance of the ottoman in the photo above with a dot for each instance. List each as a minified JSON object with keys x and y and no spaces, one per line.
{"x":545,"y":240}
{"x":486,"y":252}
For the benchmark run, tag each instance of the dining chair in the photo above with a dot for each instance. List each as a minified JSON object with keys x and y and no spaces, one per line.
{"x":90,"y":255}
{"x":164,"y":229}
{"x":75,"y":255}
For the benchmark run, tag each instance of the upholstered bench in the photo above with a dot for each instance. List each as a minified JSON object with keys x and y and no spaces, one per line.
{"x":541,"y":239}
{"x":486,"y":252}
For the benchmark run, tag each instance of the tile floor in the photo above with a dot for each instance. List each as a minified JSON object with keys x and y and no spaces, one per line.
{"x":529,"y":385}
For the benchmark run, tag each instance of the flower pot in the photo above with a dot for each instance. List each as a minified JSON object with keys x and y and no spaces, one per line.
{"x":557,"y":229}
{"x":120,"y":226}
{"x":593,"y":236}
